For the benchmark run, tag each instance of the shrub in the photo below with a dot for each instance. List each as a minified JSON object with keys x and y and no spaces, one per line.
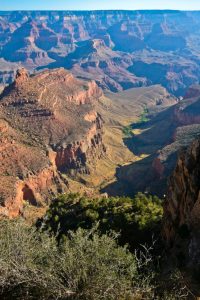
{"x":135,"y":219}
{"x":144,"y":116}
{"x":128,"y":131}
{"x":85,"y":266}
{"x":27,"y":263}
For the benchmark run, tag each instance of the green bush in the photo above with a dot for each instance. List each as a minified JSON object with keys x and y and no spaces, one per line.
{"x":27,"y":263}
{"x":85,"y":266}
{"x":128,"y":131}
{"x":135,"y":219}
{"x":144,"y":116}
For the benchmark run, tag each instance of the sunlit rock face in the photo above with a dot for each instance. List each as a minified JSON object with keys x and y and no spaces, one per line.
{"x":118,"y":49}
{"x":49,"y":127}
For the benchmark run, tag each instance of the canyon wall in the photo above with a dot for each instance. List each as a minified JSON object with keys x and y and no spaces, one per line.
{"x":181,"y":206}
{"x":49,"y":129}
{"x":181,"y":223}
{"x":118,"y":49}
{"x":185,"y":124}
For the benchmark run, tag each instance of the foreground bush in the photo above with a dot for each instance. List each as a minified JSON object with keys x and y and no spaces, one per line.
{"x":85,"y":266}
{"x":136,"y":219}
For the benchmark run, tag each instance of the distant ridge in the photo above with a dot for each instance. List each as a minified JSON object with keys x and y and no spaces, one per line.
{"x":102,"y":11}
{"x":119,"y":49}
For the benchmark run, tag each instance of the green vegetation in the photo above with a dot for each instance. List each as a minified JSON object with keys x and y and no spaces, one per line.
{"x":144,"y":116}
{"x":55,"y":263}
{"x":128,"y":131}
{"x":135,"y":219}
{"x":87,"y":266}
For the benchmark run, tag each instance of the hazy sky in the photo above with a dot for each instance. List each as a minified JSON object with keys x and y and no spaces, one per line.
{"x":99,"y":4}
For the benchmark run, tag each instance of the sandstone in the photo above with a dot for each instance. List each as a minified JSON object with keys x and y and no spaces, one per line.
{"x":21,"y":76}
{"x":49,"y":127}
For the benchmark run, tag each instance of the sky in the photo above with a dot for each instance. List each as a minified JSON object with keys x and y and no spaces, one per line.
{"x":98,"y":4}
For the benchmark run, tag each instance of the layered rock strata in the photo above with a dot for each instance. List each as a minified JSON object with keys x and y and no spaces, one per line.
{"x":48,"y":128}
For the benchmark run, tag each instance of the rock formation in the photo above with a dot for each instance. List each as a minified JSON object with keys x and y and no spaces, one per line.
{"x":118,"y":49}
{"x":171,"y":125}
{"x":181,"y":224}
{"x":181,"y":205}
{"x":48,"y":127}
{"x":188,"y":110}
{"x":185,"y":124}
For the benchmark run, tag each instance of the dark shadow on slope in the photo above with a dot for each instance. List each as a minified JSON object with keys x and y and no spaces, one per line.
{"x":142,"y":175}
{"x":60,"y":62}
{"x":82,"y":50}
{"x":156,"y":133}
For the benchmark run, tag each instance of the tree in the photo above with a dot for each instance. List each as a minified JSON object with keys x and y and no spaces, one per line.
{"x":135,"y":219}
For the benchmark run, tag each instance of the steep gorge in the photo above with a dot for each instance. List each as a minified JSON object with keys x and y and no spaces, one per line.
{"x":169,"y":126}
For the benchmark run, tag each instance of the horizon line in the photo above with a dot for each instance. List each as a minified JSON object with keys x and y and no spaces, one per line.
{"x":99,"y":10}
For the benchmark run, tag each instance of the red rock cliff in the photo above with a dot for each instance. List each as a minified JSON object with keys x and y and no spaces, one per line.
{"x":48,"y":126}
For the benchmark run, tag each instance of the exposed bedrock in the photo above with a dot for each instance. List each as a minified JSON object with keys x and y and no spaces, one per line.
{"x":181,"y":224}
{"x":48,"y":126}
